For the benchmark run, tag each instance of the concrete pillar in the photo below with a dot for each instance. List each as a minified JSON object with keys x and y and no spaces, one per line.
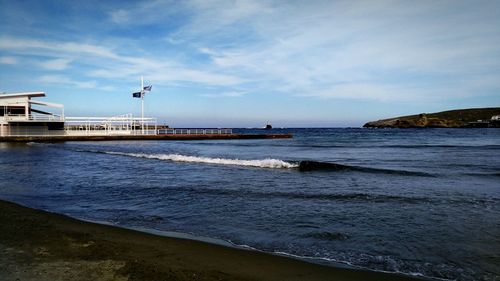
{"x":27,"y":108}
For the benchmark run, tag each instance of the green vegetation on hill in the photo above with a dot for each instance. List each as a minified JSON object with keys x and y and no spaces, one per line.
{"x":447,"y":119}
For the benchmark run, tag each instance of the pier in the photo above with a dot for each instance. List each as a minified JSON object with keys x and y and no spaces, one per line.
{"x":166,"y":137}
{"x":20,"y":121}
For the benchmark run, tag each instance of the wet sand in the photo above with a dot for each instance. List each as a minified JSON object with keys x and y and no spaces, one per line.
{"x":38,"y":245}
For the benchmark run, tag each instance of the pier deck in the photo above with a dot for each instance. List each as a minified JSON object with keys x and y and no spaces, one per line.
{"x":143,"y":137}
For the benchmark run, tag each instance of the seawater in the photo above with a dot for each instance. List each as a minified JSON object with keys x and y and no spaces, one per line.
{"x":423,"y":202}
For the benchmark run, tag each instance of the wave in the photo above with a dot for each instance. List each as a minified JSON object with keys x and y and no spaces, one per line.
{"x":340,"y":197}
{"x":493,"y":174}
{"x":350,"y":145}
{"x":263,"y":163}
{"x":348,"y":197}
{"x":327,"y":166}
{"x":479,"y":146}
{"x":325,"y":235}
{"x":31,"y":143}
{"x":302,"y":166}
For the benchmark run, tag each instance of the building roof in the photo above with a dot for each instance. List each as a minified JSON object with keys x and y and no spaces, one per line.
{"x":27,"y":94}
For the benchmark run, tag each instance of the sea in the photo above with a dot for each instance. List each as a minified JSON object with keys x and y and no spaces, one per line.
{"x":422,"y":202}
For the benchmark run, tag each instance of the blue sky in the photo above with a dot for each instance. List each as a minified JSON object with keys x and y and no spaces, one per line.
{"x":245,"y":63}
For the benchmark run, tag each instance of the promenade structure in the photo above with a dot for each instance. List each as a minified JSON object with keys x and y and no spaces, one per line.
{"x":18,"y":115}
{"x":22,"y":115}
{"x":24,"y":119}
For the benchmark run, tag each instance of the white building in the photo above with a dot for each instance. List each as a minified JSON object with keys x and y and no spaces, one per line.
{"x":21,"y":115}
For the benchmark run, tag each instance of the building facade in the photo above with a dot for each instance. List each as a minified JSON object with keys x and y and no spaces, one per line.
{"x":20,"y":114}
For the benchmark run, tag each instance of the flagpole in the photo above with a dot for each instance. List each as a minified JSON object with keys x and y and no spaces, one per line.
{"x":142,"y":103}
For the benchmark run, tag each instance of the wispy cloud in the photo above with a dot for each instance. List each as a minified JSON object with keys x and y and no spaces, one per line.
{"x":54,"y":48}
{"x":8,"y":60}
{"x":107,"y":63}
{"x":60,"y":79}
{"x":225,"y":95}
{"x":148,"y":12}
{"x":376,"y":50}
{"x":164,"y":73}
{"x":56,"y":64}
{"x":119,"y":16}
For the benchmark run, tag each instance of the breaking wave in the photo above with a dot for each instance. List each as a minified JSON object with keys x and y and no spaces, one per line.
{"x":327,"y":166}
{"x":302,"y":166}
{"x":263,"y":163}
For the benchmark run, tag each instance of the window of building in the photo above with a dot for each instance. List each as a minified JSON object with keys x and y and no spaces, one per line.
{"x":16,"y":110}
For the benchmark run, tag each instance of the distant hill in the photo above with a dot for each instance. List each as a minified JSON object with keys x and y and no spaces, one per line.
{"x":459,"y":118}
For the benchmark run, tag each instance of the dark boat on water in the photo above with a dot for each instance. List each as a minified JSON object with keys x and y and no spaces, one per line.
{"x":268,"y":126}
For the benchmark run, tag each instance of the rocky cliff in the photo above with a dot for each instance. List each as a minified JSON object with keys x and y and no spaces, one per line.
{"x":447,"y":119}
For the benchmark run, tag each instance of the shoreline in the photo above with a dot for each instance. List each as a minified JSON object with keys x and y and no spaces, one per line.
{"x":229,"y":244}
{"x":40,"y":245}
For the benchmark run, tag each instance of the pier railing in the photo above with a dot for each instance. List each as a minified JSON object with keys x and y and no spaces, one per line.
{"x":117,"y":131}
{"x":195,"y":131}
{"x":96,"y":126}
{"x":108,"y":126}
{"x":35,"y":118}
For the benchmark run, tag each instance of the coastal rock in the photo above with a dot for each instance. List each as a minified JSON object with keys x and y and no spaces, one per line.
{"x":460,"y":118}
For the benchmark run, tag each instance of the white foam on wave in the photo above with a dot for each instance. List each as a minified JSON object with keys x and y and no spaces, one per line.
{"x":37,"y":144}
{"x":262,"y":163}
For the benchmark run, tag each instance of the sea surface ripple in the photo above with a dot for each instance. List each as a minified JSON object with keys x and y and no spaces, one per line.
{"x":422,"y":202}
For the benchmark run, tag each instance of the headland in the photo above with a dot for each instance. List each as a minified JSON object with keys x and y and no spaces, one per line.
{"x":459,"y":118}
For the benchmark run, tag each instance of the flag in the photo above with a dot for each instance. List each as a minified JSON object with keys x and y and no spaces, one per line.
{"x":147,"y":88}
{"x":136,"y":94}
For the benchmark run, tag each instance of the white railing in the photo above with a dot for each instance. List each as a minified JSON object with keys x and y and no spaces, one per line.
{"x":104,"y":126}
{"x":81,"y":126}
{"x":195,"y":131}
{"x":99,"y":126}
{"x":31,"y":117}
{"x":43,"y":132}
{"x":39,"y":132}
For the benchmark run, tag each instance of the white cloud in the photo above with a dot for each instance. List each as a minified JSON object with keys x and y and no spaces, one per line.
{"x":8,"y":60}
{"x":56,"y":64}
{"x":146,"y":12}
{"x":60,"y":79}
{"x":234,"y":94}
{"x":107,"y":88}
{"x":165,"y":73}
{"x":109,"y":64}
{"x":371,"y":50}
{"x":53,"y":48}
{"x":119,"y":16}
{"x":376,"y":50}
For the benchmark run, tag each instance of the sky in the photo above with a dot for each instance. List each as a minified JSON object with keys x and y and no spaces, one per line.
{"x":245,"y":63}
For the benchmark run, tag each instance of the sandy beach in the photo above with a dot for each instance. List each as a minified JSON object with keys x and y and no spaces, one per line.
{"x":38,"y":245}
